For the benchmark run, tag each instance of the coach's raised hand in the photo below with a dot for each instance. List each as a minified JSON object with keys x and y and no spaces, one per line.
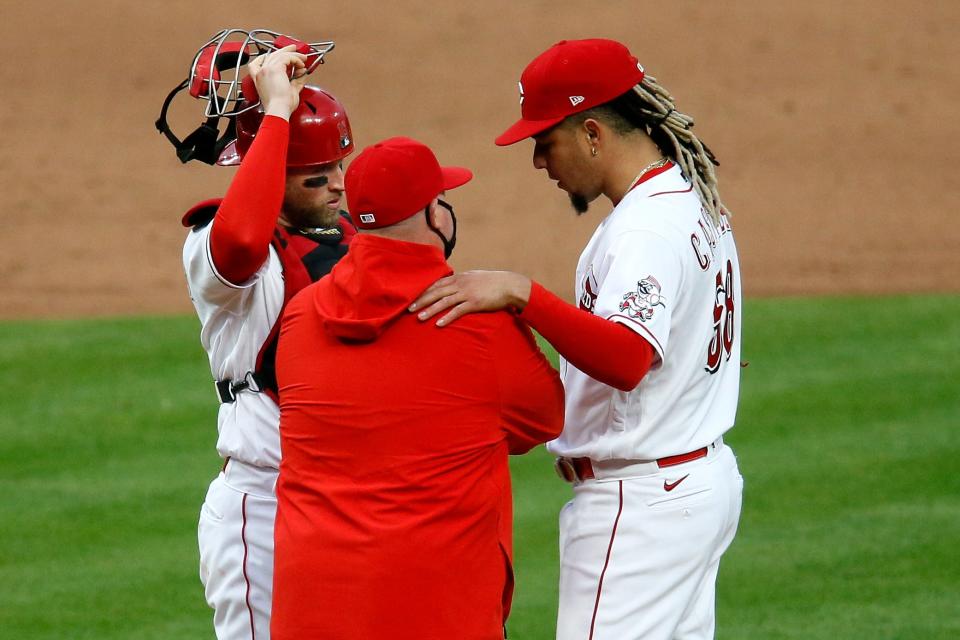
{"x":279,"y":76}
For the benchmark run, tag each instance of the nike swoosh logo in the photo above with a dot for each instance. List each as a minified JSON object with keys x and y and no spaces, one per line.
{"x":670,"y":486}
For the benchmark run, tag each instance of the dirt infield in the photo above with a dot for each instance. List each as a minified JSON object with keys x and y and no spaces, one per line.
{"x":835,"y":124}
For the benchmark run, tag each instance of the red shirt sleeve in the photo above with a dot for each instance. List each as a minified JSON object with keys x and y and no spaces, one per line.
{"x":531,"y":394}
{"x":243,"y":227}
{"x":604,"y":350}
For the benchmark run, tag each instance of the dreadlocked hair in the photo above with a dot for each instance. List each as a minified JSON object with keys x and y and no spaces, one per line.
{"x":650,"y":107}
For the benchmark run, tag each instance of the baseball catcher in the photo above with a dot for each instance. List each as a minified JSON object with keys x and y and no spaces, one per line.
{"x":279,"y":227}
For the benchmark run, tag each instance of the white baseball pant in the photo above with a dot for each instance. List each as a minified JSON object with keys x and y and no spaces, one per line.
{"x":235,"y":534}
{"x":639,"y":561}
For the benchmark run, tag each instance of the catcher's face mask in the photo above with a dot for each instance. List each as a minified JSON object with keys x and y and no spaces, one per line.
{"x":215,"y":76}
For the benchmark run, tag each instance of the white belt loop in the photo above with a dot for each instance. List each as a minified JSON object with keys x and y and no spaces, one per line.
{"x":606,"y":469}
{"x":258,"y":481}
{"x":715,"y":446}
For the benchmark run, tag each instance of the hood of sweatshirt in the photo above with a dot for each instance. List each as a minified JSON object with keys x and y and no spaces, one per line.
{"x":374,"y":284}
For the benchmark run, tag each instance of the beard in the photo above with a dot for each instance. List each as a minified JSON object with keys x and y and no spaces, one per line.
{"x":305,"y":217}
{"x":579,"y":203}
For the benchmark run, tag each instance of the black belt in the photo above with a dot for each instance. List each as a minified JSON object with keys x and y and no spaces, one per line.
{"x":227,"y":390}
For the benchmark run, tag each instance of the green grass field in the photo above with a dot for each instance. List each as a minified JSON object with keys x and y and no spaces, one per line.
{"x":847,"y":437}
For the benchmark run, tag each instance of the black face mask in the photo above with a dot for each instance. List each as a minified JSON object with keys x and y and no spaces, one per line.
{"x":448,"y":245}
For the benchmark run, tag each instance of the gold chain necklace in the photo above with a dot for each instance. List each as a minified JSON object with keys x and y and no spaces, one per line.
{"x":656,"y":164}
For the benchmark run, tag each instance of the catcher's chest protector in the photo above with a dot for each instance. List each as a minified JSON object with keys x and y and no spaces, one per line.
{"x":304,"y":260}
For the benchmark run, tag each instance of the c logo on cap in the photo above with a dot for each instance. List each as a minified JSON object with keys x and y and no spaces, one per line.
{"x":520,"y":84}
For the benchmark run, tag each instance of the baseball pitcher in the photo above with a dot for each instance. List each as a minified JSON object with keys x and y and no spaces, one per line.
{"x":650,"y":352}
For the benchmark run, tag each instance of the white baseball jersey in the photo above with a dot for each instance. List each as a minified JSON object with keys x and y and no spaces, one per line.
{"x":659,"y":266}
{"x":236,"y":320}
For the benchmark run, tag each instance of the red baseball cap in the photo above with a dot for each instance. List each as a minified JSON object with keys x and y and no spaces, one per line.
{"x":394,"y":179}
{"x":569,"y":77}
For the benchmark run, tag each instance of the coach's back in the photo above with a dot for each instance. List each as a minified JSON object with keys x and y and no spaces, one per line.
{"x":394,"y":516}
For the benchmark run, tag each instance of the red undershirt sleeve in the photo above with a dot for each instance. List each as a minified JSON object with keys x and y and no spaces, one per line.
{"x":604,"y":350}
{"x":243,"y":227}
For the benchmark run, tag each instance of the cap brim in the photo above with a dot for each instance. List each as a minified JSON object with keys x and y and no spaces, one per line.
{"x":524,"y":129}
{"x":229,"y":157}
{"x":454,"y":177}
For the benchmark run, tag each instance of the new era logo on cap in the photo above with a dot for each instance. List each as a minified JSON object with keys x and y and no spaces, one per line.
{"x":570,"y":77}
{"x":367,"y":218}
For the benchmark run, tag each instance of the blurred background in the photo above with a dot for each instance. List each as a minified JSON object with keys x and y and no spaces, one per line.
{"x":834,"y":124}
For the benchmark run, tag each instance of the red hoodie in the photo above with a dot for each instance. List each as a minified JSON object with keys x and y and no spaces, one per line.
{"x":394,"y":514}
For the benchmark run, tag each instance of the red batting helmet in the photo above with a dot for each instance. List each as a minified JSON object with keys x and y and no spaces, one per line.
{"x":319,"y":130}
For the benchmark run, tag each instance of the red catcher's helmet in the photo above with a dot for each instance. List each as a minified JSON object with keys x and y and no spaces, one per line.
{"x":319,"y":131}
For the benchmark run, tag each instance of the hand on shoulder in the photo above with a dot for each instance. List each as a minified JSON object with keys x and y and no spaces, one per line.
{"x":472,"y":292}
